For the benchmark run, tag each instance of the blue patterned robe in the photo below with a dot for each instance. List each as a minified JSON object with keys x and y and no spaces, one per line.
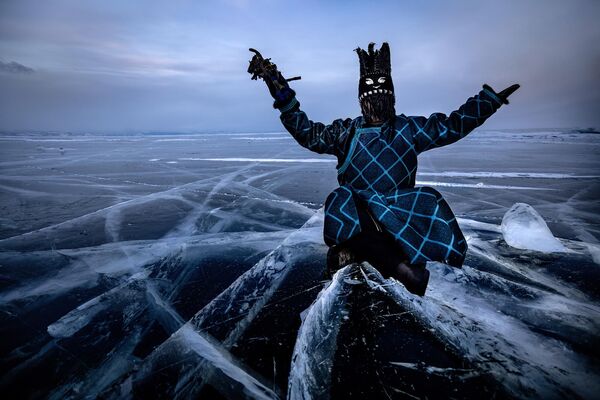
{"x":377,"y":168}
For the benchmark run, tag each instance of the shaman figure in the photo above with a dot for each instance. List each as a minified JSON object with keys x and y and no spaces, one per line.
{"x":377,"y":214}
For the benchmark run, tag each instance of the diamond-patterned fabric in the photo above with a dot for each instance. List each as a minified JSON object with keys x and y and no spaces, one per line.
{"x":377,"y":168}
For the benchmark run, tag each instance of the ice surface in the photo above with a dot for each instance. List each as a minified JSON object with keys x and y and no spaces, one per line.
{"x":229,"y":315}
{"x":177,"y":266}
{"x":524,"y":228}
{"x":460,"y":311}
{"x":220,"y":360}
{"x":312,"y":360}
{"x":594,"y":250}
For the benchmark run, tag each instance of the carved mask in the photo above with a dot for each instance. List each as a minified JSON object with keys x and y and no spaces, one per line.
{"x":376,"y":88}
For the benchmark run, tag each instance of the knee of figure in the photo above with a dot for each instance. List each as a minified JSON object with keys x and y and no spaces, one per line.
{"x":430,"y":190}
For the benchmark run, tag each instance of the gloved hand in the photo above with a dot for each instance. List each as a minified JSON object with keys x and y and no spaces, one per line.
{"x":503,"y":95}
{"x":277,"y":84}
{"x":279,"y":88}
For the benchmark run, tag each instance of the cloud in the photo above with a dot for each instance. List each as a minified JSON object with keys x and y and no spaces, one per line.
{"x":178,"y":65}
{"x":15,"y":68}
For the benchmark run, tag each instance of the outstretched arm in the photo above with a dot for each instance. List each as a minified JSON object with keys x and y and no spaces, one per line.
{"x":439,"y":130}
{"x":314,"y":136}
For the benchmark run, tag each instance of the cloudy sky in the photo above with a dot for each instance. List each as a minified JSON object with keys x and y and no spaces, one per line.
{"x":125,"y":66}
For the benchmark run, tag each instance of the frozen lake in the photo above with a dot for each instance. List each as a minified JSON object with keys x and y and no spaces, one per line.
{"x":178,"y":266}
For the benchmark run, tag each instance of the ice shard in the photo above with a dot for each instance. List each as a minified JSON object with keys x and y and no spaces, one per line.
{"x":524,"y":228}
{"x":225,"y":319}
{"x":512,"y":351}
{"x":314,"y":352}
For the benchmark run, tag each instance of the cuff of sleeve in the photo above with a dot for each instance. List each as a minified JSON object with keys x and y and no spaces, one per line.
{"x":488,"y":90}
{"x":289,"y":106}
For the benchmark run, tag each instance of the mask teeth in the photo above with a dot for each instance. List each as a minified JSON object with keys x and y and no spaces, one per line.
{"x":370,"y":92}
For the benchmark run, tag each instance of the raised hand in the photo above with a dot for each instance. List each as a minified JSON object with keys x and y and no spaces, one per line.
{"x":278,"y":86}
{"x":507,"y":92}
{"x":503,"y":95}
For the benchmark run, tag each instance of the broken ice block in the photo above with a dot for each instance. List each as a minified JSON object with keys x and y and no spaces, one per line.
{"x":523,"y":228}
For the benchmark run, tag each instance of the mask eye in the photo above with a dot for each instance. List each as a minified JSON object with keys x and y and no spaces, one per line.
{"x":369,"y":81}
{"x":381,"y":79}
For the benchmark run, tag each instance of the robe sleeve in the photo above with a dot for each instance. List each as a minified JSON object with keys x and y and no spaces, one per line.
{"x":439,"y":130}
{"x":315,"y":136}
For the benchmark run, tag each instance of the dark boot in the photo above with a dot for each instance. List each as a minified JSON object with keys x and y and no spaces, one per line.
{"x":414,"y":277}
{"x":338,"y":257}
